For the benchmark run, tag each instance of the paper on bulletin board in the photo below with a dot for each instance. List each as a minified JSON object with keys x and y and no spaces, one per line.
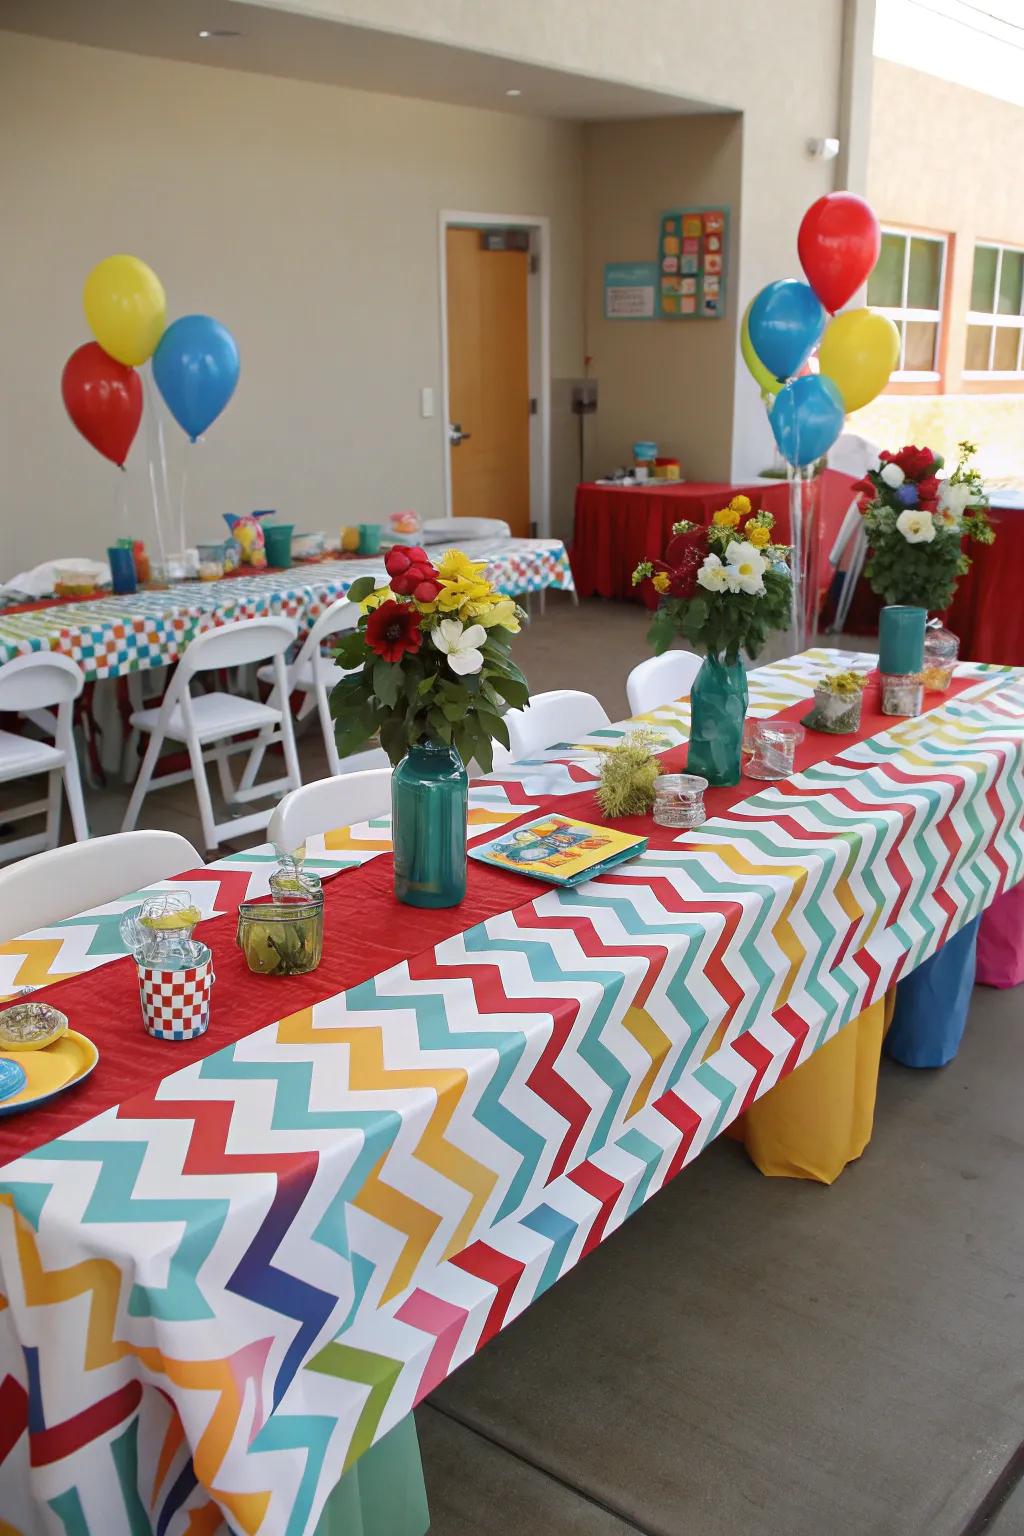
{"x":630,"y":290}
{"x":692,"y":249}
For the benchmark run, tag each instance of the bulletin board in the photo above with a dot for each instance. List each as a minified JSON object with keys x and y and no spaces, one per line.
{"x":630,"y":290}
{"x":692,"y":263}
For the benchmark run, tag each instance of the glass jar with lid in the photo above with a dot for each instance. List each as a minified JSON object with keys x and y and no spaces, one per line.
{"x":941,"y":649}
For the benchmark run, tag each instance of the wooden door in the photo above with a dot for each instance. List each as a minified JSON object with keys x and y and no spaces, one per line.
{"x":489,"y":380}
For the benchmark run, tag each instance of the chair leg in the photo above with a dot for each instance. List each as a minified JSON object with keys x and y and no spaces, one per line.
{"x":149,"y":762}
{"x":254,"y":762}
{"x":291,"y":756}
{"x":76,"y":802}
{"x":323,"y":705}
{"x":195,"y":757}
{"x":227,"y":783}
{"x":53,"y":805}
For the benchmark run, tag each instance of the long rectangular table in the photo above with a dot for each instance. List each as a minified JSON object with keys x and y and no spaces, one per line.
{"x":115,"y":636}
{"x":223,"y":1290}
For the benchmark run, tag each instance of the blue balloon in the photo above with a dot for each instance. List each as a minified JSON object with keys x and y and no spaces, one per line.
{"x":786,"y":322}
{"x":806,"y":418}
{"x":196,"y":370}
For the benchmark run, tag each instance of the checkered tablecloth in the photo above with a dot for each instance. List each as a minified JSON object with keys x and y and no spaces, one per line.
{"x":117,"y":635}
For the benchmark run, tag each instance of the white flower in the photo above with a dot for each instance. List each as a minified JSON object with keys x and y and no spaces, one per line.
{"x":954,"y":498}
{"x":746,"y":568}
{"x":916,"y":527}
{"x":461,"y":645}
{"x":893,"y":475}
{"x":713,"y":575}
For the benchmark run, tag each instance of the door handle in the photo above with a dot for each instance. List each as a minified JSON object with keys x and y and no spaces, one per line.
{"x":456,"y":434}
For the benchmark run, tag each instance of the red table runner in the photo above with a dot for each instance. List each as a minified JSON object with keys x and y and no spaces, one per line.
{"x":359,"y":903}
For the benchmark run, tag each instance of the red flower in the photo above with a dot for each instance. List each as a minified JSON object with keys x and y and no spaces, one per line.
{"x":927,"y":489}
{"x":864,"y":487}
{"x":682,"y":576}
{"x":915,"y":463}
{"x":393,"y":629}
{"x":693,"y":538}
{"x":410,"y":569}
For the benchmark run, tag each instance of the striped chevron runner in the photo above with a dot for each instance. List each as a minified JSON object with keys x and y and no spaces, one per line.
{"x":221,"y":1293}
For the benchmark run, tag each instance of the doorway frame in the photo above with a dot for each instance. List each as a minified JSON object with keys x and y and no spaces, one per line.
{"x":538,"y":298}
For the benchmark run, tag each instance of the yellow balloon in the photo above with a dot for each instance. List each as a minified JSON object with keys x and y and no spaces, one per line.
{"x":766,"y":382}
{"x":126,"y":308}
{"x":858,"y":352}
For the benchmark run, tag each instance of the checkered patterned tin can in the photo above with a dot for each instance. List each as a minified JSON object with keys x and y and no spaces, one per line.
{"x":176,"y":1003}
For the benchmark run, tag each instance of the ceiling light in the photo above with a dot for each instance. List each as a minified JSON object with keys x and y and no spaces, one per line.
{"x":513,"y":92}
{"x":219,"y":32}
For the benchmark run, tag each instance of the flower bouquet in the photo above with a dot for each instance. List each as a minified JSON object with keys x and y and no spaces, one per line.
{"x":722,"y":589}
{"x":430,"y":671}
{"x":916,"y":525}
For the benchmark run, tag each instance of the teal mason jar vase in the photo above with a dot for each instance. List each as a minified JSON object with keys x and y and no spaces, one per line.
{"x":718,"y":708}
{"x":429,"y":807}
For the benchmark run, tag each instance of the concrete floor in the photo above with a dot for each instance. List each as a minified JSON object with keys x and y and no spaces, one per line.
{"x":753,"y":1357}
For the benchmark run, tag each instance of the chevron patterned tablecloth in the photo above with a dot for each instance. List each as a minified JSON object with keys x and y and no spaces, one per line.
{"x":220,"y":1294}
{"x":118,"y":635}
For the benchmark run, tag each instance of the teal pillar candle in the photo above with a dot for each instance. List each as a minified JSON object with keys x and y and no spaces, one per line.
{"x":429,"y":810}
{"x":901,"y":639}
{"x":718,"y":707}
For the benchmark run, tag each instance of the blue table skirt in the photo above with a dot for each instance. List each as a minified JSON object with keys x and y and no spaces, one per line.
{"x":382,"y":1494}
{"x":932,"y":1004}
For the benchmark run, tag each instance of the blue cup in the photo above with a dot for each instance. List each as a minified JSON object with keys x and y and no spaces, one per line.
{"x":901,"y":639}
{"x":122,"y":570}
{"x":369,"y":538}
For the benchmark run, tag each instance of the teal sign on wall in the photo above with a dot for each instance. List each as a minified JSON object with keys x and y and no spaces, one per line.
{"x":630,"y":290}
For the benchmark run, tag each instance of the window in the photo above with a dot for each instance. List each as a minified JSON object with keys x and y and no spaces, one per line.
{"x":995,"y":323}
{"x":907,"y":285}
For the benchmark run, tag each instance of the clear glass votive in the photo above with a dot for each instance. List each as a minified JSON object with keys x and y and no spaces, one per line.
{"x":774,"y":744}
{"x":941,"y":649}
{"x":679,"y":800}
{"x":902,"y":693}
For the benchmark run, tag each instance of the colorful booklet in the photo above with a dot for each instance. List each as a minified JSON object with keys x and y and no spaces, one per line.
{"x":559,"y":850}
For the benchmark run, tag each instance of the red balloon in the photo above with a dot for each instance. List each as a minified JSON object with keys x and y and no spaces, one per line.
{"x":104,"y":400}
{"x":839,"y":242}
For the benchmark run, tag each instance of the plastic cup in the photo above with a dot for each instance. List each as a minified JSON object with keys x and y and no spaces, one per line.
{"x":122,"y":569}
{"x":369,"y":538}
{"x":278,"y":543}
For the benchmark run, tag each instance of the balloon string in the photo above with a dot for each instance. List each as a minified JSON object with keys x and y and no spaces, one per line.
{"x":181,"y":506}
{"x":152,"y":459}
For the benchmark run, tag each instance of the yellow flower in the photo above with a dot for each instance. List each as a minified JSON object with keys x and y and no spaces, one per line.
{"x":728,"y":517}
{"x":374,"y":599}
{"x":758,"y":536}
{"x":503,"y":613}
{"x":464,"y":591}
{"x":740,"y":504}
{"x":660,"y":581}
{"x":453,"y":564}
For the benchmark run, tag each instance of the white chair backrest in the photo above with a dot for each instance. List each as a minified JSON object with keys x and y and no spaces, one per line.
{"x":562,"y":715}
{"x":233,"y":645}
{"x":334,"y":620}
{"x":61,"y":882}
{"x":438,"y":528}
{"x":661,"y":680}
{"x":38,"y":680}
{"x":852,"y":455}
{"x":328,"y":804}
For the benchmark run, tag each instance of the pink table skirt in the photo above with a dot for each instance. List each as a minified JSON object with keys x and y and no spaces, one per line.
{"x":1001,"y":941}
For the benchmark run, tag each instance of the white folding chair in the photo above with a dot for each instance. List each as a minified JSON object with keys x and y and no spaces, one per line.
{"x":313,"y":675}
{"x":341,"y":801}
{"x":64,"y":881}
{"x":561,"y":715}
{"x":208,"y":723}
{"x":661,"y":680}
{"x":32,"y":685}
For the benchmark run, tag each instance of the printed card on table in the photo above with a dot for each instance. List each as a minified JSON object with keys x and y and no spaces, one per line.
{"x":559,"y":850}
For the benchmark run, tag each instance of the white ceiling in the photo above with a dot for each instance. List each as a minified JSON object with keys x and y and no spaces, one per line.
{"x":274,"y":42}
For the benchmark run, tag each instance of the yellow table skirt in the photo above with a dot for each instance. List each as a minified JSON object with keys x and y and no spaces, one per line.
{"x":820,"y":1117}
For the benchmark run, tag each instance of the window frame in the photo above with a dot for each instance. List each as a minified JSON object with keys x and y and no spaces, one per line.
{"x":993,"y":321}
{"x":902,"y":312}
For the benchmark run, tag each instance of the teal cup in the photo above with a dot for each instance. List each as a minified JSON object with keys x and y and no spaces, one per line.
{"x":901,"y":639}
{"x":369,"y":538}
{"x":278,"y":537}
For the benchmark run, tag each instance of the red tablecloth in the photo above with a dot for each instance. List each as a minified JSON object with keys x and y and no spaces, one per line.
{"x":988,"y":610}
{"x":618,"y":526}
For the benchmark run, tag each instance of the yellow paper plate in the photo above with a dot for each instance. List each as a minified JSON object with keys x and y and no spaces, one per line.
{"x":68,"y":1061}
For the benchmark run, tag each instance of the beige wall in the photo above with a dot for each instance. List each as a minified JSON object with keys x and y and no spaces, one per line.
{"x":305,"y":218}
{"x":670,"y":380}
{"x":777,"y":61}
{"x":951,"y":160}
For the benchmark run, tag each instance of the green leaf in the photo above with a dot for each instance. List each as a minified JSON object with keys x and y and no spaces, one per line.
{"x":387,"y":681}
{"x":351,"y":650}
{"x":361,"y":588}
{"x":425,"y":684}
